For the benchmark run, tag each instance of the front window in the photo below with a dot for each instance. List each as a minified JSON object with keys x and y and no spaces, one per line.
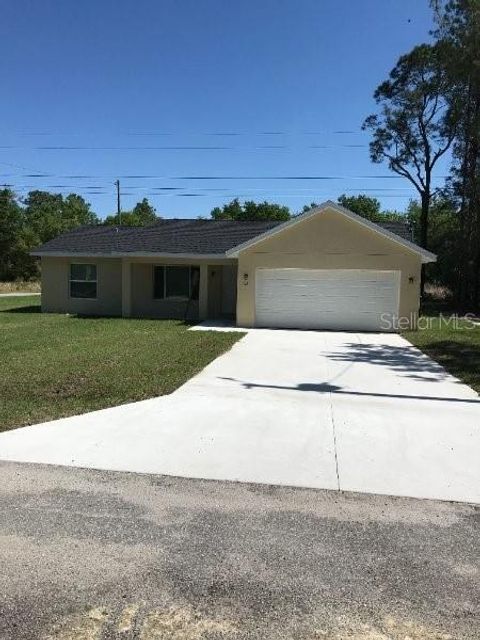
{"x":83,"y":280}
{"x":178,"y":282}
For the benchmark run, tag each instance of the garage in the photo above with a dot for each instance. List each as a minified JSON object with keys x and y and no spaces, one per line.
{"x":338,"y":299}
{"x":329,"y":268}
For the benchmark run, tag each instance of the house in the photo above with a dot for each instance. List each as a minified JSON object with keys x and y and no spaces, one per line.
{"x":325,"y":269}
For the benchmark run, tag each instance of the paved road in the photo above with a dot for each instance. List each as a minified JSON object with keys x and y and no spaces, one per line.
{"x":360,"y":412}
{"x":90,"y":555}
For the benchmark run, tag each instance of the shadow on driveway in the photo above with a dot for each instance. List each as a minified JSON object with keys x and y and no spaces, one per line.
{"x":325,"y":387}
{"x":402,"y":359}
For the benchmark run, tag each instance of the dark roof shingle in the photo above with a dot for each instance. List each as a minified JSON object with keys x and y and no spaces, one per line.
{"x":402,"y":229}
{"x":170,"y":236}
{"x":165,"y":236}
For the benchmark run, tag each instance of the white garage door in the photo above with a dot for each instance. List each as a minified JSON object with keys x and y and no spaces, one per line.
{"x":343,"y":299}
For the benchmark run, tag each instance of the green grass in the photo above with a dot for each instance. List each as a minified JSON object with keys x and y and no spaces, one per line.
{"x":54,"y":365}
{"x":457,"y":349}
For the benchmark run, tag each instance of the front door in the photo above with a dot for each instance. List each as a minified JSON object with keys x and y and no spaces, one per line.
{"x":214,"y":291}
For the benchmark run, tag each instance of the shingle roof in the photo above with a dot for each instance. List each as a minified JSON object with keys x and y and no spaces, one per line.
{"x":402,"y":229}
{"x":165,"y":236}
{"x":170,"y":236}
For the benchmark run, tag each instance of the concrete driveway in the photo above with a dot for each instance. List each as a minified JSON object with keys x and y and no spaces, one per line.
{"x":357,"y":412}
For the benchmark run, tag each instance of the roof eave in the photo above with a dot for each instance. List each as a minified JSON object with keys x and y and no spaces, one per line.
{"x":124,"y":254}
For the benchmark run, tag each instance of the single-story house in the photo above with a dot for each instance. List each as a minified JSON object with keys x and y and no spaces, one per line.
{"x":325,"y":269}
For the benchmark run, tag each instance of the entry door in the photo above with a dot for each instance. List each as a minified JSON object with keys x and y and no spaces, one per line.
{"x":214,"y":291}
{"x":341,"y":299}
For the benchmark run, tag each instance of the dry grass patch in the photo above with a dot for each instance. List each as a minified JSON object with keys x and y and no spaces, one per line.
{"x":20,"y":286}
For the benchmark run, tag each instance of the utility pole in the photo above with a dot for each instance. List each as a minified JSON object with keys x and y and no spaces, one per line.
{"x":119,"y":211}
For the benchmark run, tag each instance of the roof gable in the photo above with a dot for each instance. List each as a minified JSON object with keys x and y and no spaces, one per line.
{"x":383,"y":231}
{"x":194,"y":237}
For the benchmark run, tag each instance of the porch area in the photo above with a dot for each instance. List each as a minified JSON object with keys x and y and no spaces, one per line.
{"x":179,"y":288}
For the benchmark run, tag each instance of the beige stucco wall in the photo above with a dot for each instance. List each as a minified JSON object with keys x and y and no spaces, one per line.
{"x":56,"y":294}
{"x":138,"y":287}
{"x":210,"y":295}
{"x":144,"y":305}
{"x":328,"y":240}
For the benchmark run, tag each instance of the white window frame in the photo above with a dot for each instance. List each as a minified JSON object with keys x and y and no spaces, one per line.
{"x":70,"y":280}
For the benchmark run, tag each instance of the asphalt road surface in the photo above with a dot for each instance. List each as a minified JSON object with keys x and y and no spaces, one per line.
{"x":87,"y":555}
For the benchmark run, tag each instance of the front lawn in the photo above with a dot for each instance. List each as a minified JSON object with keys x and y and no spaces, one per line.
{"x":457,"y":349}
{"x":54,"y":365}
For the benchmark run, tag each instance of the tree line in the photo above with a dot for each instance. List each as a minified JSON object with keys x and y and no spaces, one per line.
{"x":25,"y":224}
{"x":41,"y":216}
{"x":428,"y":109}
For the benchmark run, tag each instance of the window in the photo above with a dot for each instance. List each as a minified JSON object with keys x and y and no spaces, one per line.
{"x":83,"y":280}
{"x":159,"y":282}
{"x":176,"y":282}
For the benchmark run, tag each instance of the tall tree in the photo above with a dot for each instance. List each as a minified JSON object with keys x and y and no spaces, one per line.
{"x":231,"y":211}
{"x":43,"y":216}
{"x":416,"y":123}
{"x":77,"y":212}
{"x":12,"y":250}
{"x":443,"y":237}
{"x":364,"y":206}
{"x":145,"y":212}
{"x":458,"y":39}
{"x":367,"y":207}
{"x":49,"y":214}
{"x":141,"y":215}
{"x":250,"y":210}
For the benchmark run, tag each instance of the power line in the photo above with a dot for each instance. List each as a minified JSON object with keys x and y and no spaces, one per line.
{"x":183,"y":147}
{"x":107,"y":178}
{"x":158,"y":190}
{"x":194,"y":133}
{"x":233,"y":194}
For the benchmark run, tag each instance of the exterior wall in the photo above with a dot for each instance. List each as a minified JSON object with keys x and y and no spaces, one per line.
{"x":56,"y":288}
{"x":210,"y":294}
{"x":229,"y":289}
{"x":144,"y":305}
{"x":328,"y":241}
{"x":125,"y":287}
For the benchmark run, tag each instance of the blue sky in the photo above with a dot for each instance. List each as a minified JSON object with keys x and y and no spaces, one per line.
{"x":194,"y":102}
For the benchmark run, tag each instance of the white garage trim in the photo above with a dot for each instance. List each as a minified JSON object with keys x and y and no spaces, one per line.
{"x":338,"y":299}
